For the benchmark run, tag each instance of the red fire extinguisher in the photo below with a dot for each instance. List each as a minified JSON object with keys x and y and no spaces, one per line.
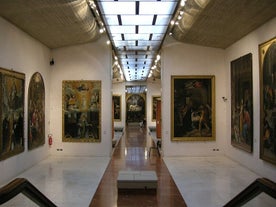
{"x":50,"y":139}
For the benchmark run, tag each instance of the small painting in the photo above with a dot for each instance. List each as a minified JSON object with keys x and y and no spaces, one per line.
{"x":193,"y":108}
{"x":12,"y":85}
{"x":81,"y":111}
{"x":154,"y":104}
{"x":117,"y":107}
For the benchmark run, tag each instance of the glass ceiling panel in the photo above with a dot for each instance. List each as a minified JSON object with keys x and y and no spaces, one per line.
{"x":137,"y":19}
{"x":152,"y":29}
{"x":137,"y":29}
{"x":156,"y":7}
{"x":118,"y":7}
{"x":122,"y":29}
{"x":137,"y":36}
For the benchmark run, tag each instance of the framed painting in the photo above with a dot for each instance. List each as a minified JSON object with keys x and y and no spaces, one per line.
{"x":117,"y":107}
{"x":135,"y":107}
{"x":267,"y":54}
{"x":36,"y":112}
{"x":81,"y":111}
{"x":154,"y":104}
{"x":241,"y":103}
{"x":193,"y":108}
{"x":12,"y":85}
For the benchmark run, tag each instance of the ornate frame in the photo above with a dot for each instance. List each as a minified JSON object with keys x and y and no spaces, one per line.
{"x":193,"y":108}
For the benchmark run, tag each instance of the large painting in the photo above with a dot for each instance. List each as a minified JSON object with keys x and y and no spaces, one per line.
{"x":36,"y":112}
{"x":81,"y":111}
{"x":154,"y":104}
{"x":117,"y":107}
{"x":267,"y":53}
{"x":241,"y":103}
{"x":193,"y":108}
{"x":11,"y":113}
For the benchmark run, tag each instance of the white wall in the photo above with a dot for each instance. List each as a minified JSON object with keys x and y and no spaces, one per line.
{"x":90,"y":61}
{"x":249,"y":44}
{"x":24,"y":54}
{"x":186,"y":59}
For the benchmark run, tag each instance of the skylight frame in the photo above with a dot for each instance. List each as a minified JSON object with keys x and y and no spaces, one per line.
{"x":128,"y":35}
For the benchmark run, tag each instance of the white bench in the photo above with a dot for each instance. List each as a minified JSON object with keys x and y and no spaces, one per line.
{"x":137,"y":180}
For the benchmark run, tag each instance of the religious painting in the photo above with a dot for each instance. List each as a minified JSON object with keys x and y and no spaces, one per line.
{"x":154,"y":104}
{"x":193,"y":108}
{"x":36,"y":112}
{"x":241,"y":103}
{"x":117,"y":107}
{"x":81,"y":111}
{"x":12,"y":85}
{"x":135,"y":107}
{"x":267,"y":54}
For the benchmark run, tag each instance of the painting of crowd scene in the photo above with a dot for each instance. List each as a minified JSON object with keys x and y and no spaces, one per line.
{"x":81,"y":111}
{"x":36,"y":112}
{"x":193,"y":108}
{"x":267,"y":52}
{"x":135,"y":107}
{"x":241,"y":103}
{"x":12,"y":85}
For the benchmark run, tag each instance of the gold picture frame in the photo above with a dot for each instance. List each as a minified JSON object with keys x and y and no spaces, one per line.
{"x":81,"y":111}
{"x":193,"y":108}
{"x":267,"y":55}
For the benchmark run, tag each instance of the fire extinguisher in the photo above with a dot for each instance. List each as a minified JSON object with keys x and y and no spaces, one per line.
{"x":50,"y":139}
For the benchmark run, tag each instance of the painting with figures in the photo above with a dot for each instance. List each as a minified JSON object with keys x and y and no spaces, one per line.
{"x":81,"y":111}
{"x":12,"y":85}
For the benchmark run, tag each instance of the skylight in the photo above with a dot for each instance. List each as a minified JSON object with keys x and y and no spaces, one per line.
{"x":136,"y":30}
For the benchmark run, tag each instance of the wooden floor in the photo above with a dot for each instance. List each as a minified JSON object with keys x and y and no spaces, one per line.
{"x":132,"y":154}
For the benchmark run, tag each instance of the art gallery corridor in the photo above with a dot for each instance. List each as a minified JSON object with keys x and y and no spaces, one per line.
{"x":132,"y":153}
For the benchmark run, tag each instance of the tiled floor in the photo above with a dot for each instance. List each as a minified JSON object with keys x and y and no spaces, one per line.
{"x":202,"y":181}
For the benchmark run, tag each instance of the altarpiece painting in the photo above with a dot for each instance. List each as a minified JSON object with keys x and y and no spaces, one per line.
{"x":81,"y":111}
{"x":36,"y":112}
{"x":12,"y":85}
{"x":241,"y":103}
{"x":267,"y":53}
